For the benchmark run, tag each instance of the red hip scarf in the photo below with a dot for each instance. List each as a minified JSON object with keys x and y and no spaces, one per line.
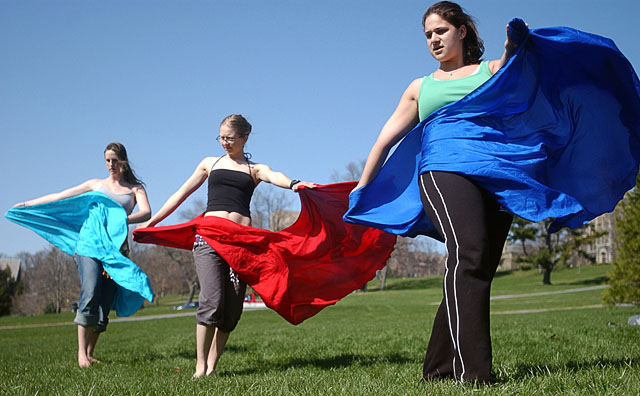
{"x":301,"y":269}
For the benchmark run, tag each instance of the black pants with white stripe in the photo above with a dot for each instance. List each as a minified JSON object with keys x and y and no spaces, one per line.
{"x":474,"y":229}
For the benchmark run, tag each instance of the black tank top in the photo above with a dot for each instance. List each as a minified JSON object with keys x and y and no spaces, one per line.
{"x":230,"y":190}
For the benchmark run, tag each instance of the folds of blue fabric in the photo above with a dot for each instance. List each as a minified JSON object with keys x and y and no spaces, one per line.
{"x":391,"y":202}
{"x":91,"y":225}
{"x":554,"y":134}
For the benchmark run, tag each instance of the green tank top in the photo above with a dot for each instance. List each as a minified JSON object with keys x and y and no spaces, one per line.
{"x":436,"y":93}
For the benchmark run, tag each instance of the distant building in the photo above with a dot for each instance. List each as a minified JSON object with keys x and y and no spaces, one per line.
{"x":509,"y":253}
{"x":14,"y":265}
{"x":416,"y":264}
{"x":604,"y":248}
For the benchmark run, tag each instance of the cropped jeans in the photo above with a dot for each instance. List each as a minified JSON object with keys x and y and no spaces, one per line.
{"x":97,"y":293}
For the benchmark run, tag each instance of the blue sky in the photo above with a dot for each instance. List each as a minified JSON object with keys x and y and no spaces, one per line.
{"x":317,"y":79}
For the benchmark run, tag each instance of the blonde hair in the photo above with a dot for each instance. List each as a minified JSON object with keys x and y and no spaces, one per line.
{"x":238,"y":124}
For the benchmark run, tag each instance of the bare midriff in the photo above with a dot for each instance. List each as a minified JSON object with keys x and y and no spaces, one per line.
{"x":232,"y":216}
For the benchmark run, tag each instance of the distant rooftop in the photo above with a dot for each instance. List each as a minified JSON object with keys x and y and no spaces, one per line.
{"x":13,"y":264}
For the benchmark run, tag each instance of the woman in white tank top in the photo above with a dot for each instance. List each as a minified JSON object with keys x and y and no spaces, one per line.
{"x":97,"y":288}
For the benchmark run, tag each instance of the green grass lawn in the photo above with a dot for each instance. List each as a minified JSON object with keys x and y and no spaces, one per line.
{"x":368,"y":344}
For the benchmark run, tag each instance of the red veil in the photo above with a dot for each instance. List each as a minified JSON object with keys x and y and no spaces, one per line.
{"x":301,"y":269}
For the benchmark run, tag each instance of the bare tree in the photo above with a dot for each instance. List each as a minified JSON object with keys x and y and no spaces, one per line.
{"x":268,"y":209}
{"x":51,"y":282}
{"x":171,"y":270}
{"x":411,"y":256}
{"x":197,"y":207}
{"x":157,"y":267}
{"x":58,"y":280}
{"x":184,"y":260}
{"x":352,"y":172}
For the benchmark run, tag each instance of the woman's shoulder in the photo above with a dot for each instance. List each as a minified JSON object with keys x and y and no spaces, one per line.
{"x":99,"y":184}
{"x":137,"y":188}
{"x":94,"y":184}
{"x":258,"y":166}
{"x":413,"y":90}
{"x":415,"y":84}
{"x":207,"y":162}
{"x":493,"y":65}
{"x":485,"y":66}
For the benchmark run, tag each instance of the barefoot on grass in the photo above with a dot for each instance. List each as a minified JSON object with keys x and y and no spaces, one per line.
{"x":200,"y":371}
{"x":83,"y":362}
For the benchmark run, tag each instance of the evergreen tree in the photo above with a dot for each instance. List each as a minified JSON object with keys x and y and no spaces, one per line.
{"x":625,"y":274}
{"x":552,"y":250}
{"x":8,"y":289}
{"x":522,"y":231}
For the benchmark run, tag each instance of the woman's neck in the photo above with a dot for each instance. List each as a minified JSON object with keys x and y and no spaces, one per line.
{"x":452,"y":65}
{"x":114,"y":179}
{"x":237,"y":157}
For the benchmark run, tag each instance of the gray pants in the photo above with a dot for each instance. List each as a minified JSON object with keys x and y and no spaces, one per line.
{"x":221,"y":291}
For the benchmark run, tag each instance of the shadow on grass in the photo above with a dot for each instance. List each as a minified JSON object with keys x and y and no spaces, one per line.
{"x":600,"y":280}
{"x":528,"y":371}
{"x":326,"y":363}
{"x":500,"y":274}
{"x":191,"y":354}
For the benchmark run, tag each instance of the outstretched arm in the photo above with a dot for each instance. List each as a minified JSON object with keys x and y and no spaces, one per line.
{"x":266,"y":174}
{"x":397,"y":126}
{"x":191,"y":185}
{"x":68,"y":193}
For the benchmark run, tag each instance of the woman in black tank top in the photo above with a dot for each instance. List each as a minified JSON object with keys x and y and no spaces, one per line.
{"x":232,"y":180}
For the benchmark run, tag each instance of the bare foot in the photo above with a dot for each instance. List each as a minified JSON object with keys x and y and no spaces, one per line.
{"x":94,"y":360}
{"x":211,"y":373}
{"x":200,"y":371}
{"x":83,"y":362}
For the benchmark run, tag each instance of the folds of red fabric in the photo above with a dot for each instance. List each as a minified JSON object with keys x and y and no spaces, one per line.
{"x":301,"y":269}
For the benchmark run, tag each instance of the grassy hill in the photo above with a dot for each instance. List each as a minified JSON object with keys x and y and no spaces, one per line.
{"x":370,"y":343}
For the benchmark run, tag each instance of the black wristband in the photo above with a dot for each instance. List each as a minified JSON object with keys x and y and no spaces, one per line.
{"x":293,"y":183}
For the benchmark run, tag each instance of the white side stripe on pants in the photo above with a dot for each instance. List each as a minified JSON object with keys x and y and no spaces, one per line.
{"x":455,"y":340}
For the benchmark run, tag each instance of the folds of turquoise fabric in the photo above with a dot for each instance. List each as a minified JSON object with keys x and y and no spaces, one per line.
{"x":555,"y":133}
{"x":91,"y":225}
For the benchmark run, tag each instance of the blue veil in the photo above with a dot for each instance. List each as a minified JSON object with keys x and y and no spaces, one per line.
{"x":555,"y":133}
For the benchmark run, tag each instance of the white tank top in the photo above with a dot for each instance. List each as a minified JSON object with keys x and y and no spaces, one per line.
{"x":125,"y":200}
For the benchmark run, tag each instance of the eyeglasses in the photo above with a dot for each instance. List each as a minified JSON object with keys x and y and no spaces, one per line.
{"x":225,"y":139}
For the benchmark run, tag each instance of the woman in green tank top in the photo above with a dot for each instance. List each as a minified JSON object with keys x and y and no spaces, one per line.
{"x":468,"y":218}
{"x":453,"y":41}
